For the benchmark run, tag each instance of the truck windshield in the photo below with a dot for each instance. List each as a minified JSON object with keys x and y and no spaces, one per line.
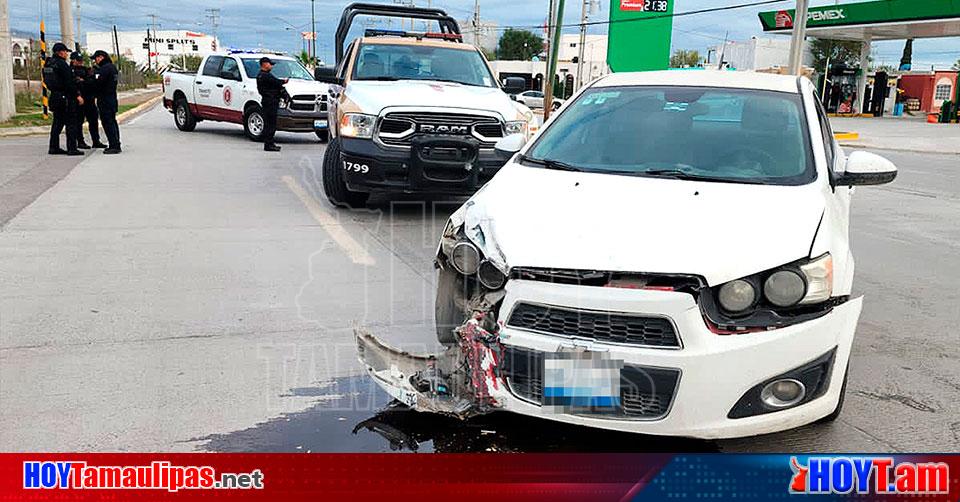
{"x":282,"y":68}
{"x":421,"y":62}
{"x":709,"y":134}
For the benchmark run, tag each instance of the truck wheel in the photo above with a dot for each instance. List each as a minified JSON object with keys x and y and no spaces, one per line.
{"x":324,"y":135}
{"x":253,"y":123}
{"x":183,"y":117}
{"x":333,"y":183}
{"x":447,"y":315}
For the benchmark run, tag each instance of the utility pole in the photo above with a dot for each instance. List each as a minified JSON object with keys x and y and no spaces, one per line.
{"x":66,"y":23}
{"x":552,"y":63}
{"x":8,"y":105}
{"x":798,"y":38}
{"x":313,"y":31}
{"x":583,"y":40}
{"x":156,"y":54}
{"x":214,"y":16}
{"x":476,"y":23}
{"x":79,"y":33}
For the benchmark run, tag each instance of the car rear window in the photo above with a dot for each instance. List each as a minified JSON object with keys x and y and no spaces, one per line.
{"x":717,"y":134}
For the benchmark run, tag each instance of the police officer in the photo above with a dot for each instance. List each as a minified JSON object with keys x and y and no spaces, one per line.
{"x":64,"y":101}
{"x":88,"y":111}
{"x":270,"y":88}
{"x":104,"y":82}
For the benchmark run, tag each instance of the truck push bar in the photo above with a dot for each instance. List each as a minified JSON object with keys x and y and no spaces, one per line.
{"x":447,"y":23}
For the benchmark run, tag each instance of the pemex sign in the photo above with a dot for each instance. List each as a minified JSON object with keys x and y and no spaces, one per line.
{"x":639,"y":35}
{"x":881,"y":11}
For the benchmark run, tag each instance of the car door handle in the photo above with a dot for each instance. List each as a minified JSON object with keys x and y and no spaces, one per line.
{"x":219,"y":85}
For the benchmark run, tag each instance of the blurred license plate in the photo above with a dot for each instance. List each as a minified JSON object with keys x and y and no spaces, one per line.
{"x":581,"y":381}
{"x":319,"y":124}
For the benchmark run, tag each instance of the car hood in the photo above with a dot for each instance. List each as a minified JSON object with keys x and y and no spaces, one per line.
{"x":296,"y":86}
{"x":374,"y":96}
{"x":589,"y":221}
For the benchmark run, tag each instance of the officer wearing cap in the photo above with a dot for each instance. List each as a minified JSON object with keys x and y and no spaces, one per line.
{"x":64,"y":101}
{"x":270,"y":88}
{"x":88,"y":111}
{"x":104,"y":86}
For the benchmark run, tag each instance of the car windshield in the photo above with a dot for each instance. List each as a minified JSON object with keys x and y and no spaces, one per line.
{"x":421,"y":62}
{"x":713,"y":134}
{"x":282,"y":68}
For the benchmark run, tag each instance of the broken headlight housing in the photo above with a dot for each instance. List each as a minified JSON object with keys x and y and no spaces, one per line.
{"x":470,"y":250}
{"x":786,"y":295}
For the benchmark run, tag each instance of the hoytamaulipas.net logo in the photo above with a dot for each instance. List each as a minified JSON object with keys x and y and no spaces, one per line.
{"x":159,"y":475}
{"x":868,"y":475}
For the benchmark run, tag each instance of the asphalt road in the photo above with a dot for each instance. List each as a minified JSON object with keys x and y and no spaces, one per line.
{"x":197,"y":293}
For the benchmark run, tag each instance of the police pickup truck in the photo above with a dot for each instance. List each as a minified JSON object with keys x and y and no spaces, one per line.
{"x":413,"y":112}
{"x":225,"y":90}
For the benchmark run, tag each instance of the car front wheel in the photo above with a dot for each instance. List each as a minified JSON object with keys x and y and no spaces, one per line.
{"x":323,"y":134}
{"x":333,"y":183}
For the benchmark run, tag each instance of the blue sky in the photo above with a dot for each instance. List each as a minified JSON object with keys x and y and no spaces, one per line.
{"x":246,"y":23}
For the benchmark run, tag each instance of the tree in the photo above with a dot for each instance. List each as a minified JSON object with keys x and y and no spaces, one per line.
{"x":519,"y":45}
{"x":188,"y":63}
{"x":837,"y":51}
{"x":307,"y":60}
{"x":684,"y":59}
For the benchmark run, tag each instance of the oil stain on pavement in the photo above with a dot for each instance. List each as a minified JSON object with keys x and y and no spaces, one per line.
{"x":354,"y":415}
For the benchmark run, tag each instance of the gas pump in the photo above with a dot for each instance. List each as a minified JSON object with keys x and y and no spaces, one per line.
{"x":842,"y":89}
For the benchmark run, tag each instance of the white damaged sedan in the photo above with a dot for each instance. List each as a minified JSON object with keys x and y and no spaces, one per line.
{"x":669,"y":255}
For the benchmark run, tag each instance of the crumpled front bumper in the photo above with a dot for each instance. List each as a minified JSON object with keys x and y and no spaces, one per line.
{"x":715,"y":370}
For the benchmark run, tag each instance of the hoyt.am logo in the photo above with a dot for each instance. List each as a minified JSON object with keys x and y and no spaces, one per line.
{"x":877,"y":475}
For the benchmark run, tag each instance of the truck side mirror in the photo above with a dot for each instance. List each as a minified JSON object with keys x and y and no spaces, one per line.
{"x":865,"y":168}
{"x":326,"y":75}
{"x":514,"y":85}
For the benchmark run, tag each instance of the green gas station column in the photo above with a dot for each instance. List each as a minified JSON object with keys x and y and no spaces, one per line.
{"x":639,"y":45}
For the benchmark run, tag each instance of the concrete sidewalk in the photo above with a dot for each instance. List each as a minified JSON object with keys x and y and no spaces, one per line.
{"x":898,"y":133}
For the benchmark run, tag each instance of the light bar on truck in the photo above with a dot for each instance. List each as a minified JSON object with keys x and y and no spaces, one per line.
{"x":444,"y":36}
{"x":374,"y":32}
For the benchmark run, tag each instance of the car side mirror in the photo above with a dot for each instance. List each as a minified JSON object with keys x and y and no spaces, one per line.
{"x":865,"y":168}
{"x":514,"y":85}
{"x":509,"y":145}
{"x":327,"y":75}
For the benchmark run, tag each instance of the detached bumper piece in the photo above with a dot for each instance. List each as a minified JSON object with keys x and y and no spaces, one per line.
{"x":645,"y":393}
{"x":814,"y":377}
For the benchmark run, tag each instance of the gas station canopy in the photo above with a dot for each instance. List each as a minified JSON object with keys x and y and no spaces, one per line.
{"x":876,"y":20}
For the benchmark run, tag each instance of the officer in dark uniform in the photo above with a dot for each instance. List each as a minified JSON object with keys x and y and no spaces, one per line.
{"x":105,"y":79}
{"x":88,"y":111}
{"x":270,"y":88}
{"x":64,"y":102}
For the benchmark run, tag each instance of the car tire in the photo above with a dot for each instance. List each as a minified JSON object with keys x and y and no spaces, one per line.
{"x":843,"y":392}
{"x":447,"y":315}
{"x":253,"y":123}
{"x":182,"y":116}
{"x":324,"y":135}
{"x":334,"y":186}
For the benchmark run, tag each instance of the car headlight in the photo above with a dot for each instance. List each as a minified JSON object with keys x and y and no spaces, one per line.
{"x":784,"y":288}
{"x":357,"y":125}
{"x":515,"y":127}
{"x":465,"y":257}
{"x":737,"y":296}
{"x":819,"y":275}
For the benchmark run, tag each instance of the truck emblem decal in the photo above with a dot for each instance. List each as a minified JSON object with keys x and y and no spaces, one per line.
{"x":227,"y":95}
{"x":444,"y":129}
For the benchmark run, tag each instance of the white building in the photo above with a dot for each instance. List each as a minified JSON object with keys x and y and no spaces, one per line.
{"x":594,"y":61}
{"x":160,"y":48}
{"x":756,"y":53}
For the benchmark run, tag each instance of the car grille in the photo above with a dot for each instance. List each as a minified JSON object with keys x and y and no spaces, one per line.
{"x":645,"y":393}
{"x":631,"y":329}
{"x":308,"y":103}
{"x":405,"y":124}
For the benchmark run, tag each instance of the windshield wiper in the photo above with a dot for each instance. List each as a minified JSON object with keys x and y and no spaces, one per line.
{"x":551,"y":164}
{"x":684,"y":175}
{"x":452,"y":81}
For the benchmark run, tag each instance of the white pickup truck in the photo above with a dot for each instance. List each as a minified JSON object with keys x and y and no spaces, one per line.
{"x":225,"y":90}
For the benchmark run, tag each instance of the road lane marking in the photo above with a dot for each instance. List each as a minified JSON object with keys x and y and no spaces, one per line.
{"x":353,"y":249}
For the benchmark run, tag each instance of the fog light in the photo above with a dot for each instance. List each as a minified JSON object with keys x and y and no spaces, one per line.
{"x":465,"y":258}
{"x":783,"y":393}
{"x":490,"y":276}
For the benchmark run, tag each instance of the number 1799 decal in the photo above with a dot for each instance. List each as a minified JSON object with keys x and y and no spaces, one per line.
{"x":355,"y":167}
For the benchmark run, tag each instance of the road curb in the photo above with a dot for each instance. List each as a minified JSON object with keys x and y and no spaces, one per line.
{"x":123,"y":117}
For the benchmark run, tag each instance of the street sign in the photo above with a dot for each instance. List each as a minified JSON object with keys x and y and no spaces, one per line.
{"x":639,"y":35}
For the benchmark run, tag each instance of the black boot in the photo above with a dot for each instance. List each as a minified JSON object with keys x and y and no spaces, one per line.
{"x":56,"y":151}
{"x":74,"y":152}
{"x":83,"y":145}
{"x":99,"y":145}
{"x":270,"y":147}
{"x":111,"y":151}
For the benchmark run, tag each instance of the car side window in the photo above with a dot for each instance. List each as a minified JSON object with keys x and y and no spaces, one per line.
{"x":230,"y":70}
{"x":828,"y":143}
{"x":212,"y":67}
